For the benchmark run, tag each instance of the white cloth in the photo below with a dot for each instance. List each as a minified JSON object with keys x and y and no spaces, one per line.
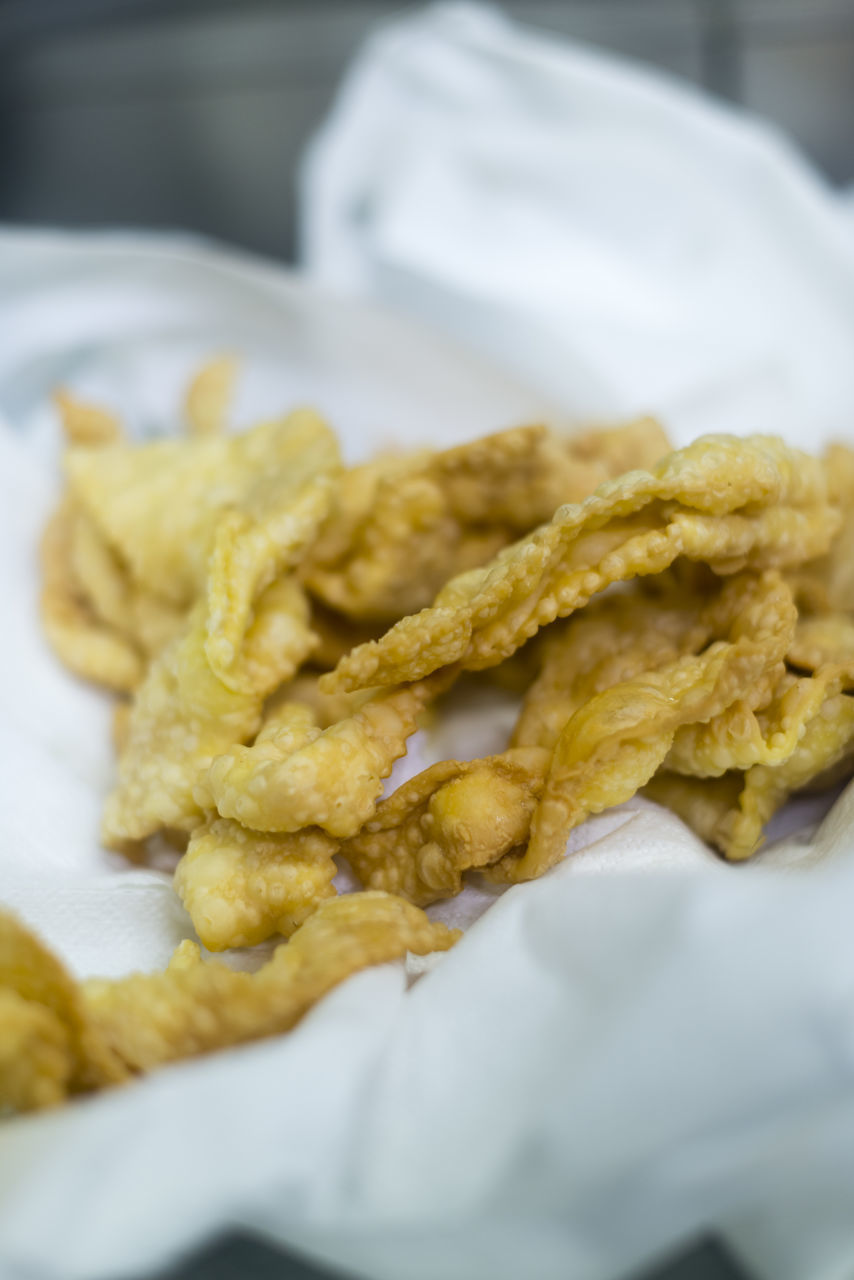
{"x":622,"y":241}
{"x":609,"y":1062}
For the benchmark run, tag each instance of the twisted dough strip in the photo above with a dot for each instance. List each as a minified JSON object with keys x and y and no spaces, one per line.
{"x":725,"y":501}
{"x":58,"y":1037}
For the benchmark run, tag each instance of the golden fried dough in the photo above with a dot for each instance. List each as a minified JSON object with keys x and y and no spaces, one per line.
{"x":59,"y":1038}
{"x":41,"y":1012}
{"x":616,"y":741}
{"x":35,"y":1060}
{"x":297,"y":775}
{"x":193,"y":1007}
{"x":248,"y":559}
{"x":403,"y":526}
{"x":86,"y":424}
{"x":158,"y":504}
{"x":144,"y":619}
{"x":827,"y":584}
{"x":800,"y":737}
{"x":184,"y":715}
{"x":208,"y":397}
{"x":451,"y":818}
{"x":724,"y":501}
{"x":614,"y":639}
{"x":241,"y":886}
{"x":88,"y":646}
{"x":822,"y":639}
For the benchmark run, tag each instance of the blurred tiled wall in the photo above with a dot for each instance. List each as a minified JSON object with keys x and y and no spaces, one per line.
{"x":191,"y":114}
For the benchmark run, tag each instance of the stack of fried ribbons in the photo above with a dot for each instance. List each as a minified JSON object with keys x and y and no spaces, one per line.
{"x":277,"y":626}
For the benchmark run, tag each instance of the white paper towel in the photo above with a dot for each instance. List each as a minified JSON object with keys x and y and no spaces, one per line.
{"x":609,"y":1062}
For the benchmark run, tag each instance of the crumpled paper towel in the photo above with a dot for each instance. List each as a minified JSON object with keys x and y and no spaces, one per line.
{"x":619,"y":239}
{"x":608,"y":1063}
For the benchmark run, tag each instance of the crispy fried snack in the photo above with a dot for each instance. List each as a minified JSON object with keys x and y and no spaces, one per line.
{"x":241,"y":887}
{"x":245,"y":581}
{"x":337,"y":635}
{"x":88,"y":646}
{"x":86,"y":424}
{"x":47,"y":1045}
{"x":208,"y":397}
{"x":184,"y":715}
{"x":616,"y":741}
{"x":758,"y":758}
{"x":297,"y":775}
{"x":612,"y":451}
{"x":723,"y":501}
{"x":157,"y":505}
{"x":58,"y":1038}
{"x":193,"y":1007}
{"x":146,"y":621}
{"x":826,"y":585}
{"x":614,"y":639}
{"x":825,"y":638}
{"x":35,"y":1060}
{"x":403,"y":526}
{"x":451,"y":818}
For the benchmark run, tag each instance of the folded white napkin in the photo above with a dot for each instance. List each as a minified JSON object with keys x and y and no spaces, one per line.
{"x":609,"y":1062}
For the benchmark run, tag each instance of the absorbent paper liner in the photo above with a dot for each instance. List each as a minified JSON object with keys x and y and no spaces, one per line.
{"x":642,"y":1045}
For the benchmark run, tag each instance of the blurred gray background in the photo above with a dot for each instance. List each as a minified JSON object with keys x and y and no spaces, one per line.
{"x":191,"y":114}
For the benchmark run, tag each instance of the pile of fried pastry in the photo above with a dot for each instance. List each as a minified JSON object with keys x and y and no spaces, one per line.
{"x":277,"y":625}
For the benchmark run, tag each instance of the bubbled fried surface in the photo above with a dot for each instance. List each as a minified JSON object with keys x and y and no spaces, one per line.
{"x":612,"y":640}
{"x":822,"y":639}
{"x":617,"y":740}
{"x":297,"y":775}
{"x":454,"y":817}
{"x":158,"y":504}
{"x":88,"y":646}
{"x":58,"y":1037}
{"x":43,"y":1014}
{"x":402,"y":526}
{"x":798,"y":739}
{"x":193,"y":1007}
{"x":241,"y":887}
{"x":725,"y":501}
{"x":183,"y":716}
{"x":250,"y":559}
{"x":826,"y":585}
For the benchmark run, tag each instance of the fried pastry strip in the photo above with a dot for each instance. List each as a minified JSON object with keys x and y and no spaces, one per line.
{"x":805,"y":732}
{"x":453,"y":817}
{"x":194,"y":1007}
{"x":86,"y":424}
{"x":826,"y":585}
{"x":612,"y":640}
{"x":241,"y":886}
{"x":249,"y":555}
{"x":403,"y":526}
{"x":59,"y":1038}
{"x":296,"y":775}
{"x":724,"y":501}
{"x":207,"y":400}
{"x":614,"y":743}
{"x":822,"y":639}
{"x":86,"y":645}
{"x":157,"y":505}
{"x":143,"y":618}
{"x":184,"y":716}
{"x":35,"y":1059}
{"x":47,"y":1044}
